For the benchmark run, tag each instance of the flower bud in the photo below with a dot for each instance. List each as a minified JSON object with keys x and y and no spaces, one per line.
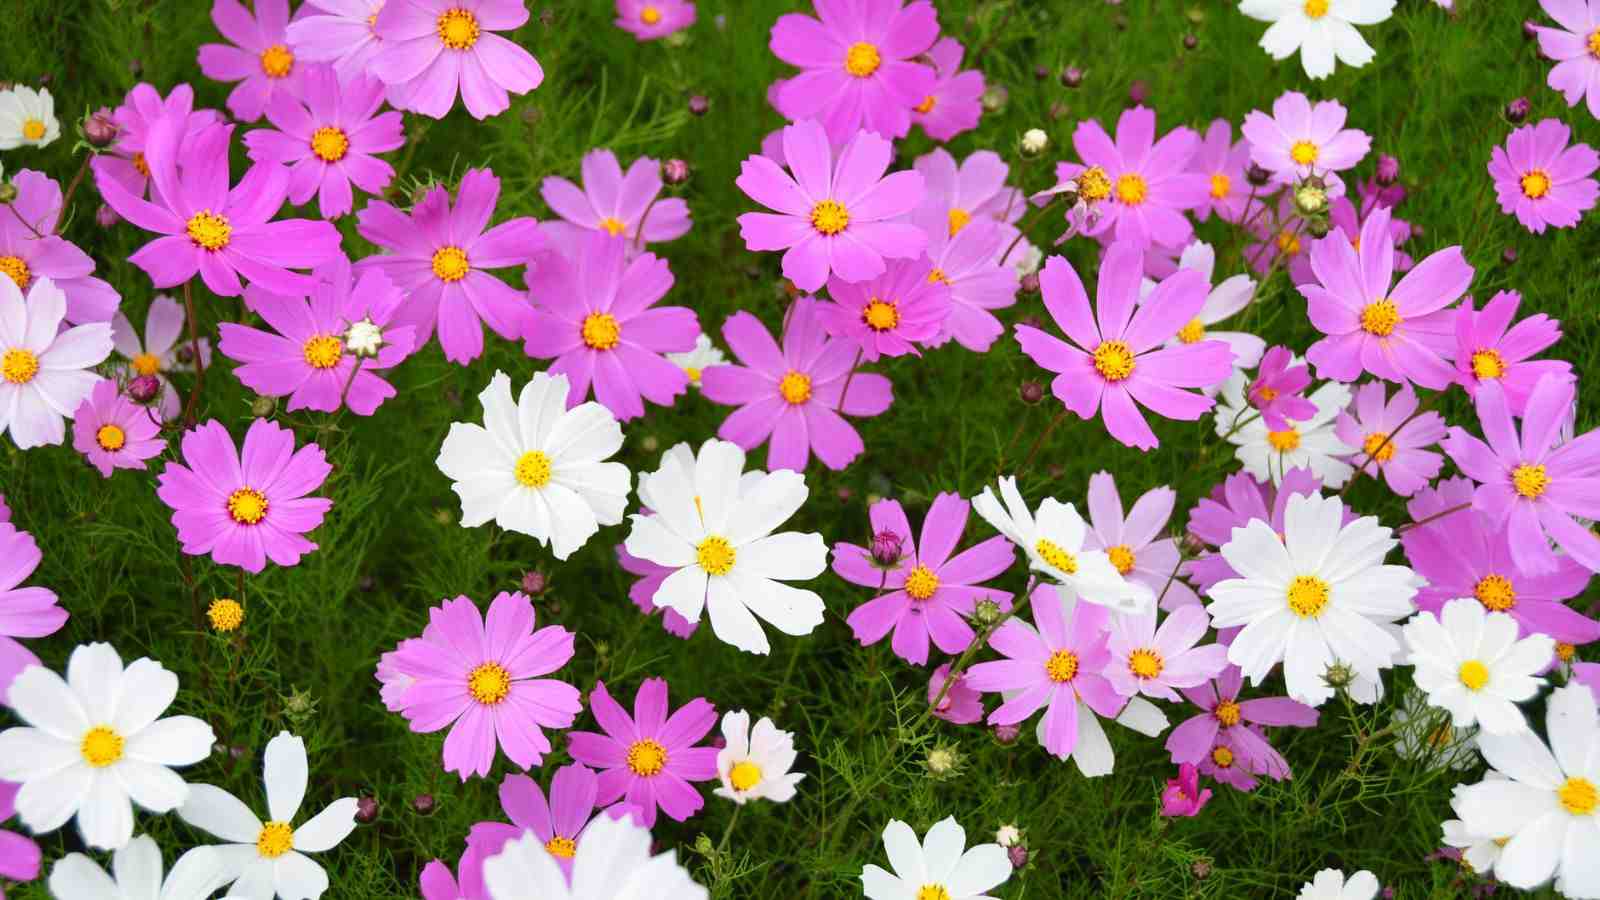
{"x":1257,"y":176}
{"x":943,"y":761}
{"x":1008,"y":836}
{"x":886,"y":548}
{"x":1041,"y":72}
{"x":995,"y":98}
{"x":1006,"y":734}
{"x":699,"y":105}
{"x":534,"y":583}
{"x":1318,"y":228}
{"x":1031,"y":392}
{"x":1034,"y":142}
{"x":1191,"y":41}
{"x":1310,"y":198}
{"x":987,"y":613}
{"x":422,"y":803}
{"x":106,"y":217}
{"x":1018,"y":855}
{"x":261,"y":407}
{"x":366,"y":809}
{"x":1030,"y":283}
{"x":364,"y":339}
{"x":1339,"y":675}
{"x":8,"y":192}
{"x":144,"y":389}
{"x":1138,"y":92}
{"x":1071,"y":77}
{"x":1509,"y":255}
{"x":1388,"y":169}
{"x":674,"y":171}
{"x":99,"y":129}
{"x":1516,"y":112}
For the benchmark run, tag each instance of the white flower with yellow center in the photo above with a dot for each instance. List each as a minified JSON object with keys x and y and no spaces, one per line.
{"x":95,"y":745}
{"x":754,"y":764}
{"x":612,"y":862}
{"x":1331,"y":884}
{"x":1054,"y":541}
{"x":694,"y":362}
{"x":27,"y":118}
{"x":136,"y":875}
{"x":1267,"y":454}
{"x":1317,"y":595}
{"x":268,"y":859}
{"x":935,"y":868}
{"x":536,"y":467}
{"x":1319,"y":30}
{"x":716,"y":530}
{"x":1226,"y":299}
{"x":1479,"y":852}
{"x":1470,"y":662}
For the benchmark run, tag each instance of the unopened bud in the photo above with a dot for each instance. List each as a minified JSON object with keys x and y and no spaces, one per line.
{"x":366,"y":810}
{"x":1388,"y":169}
{"x":1310,"y":198}
{"x":674,"y":171}
{"x":534,"y":582}
{"x":1516,"y":111}
{"x":886,"y":548}
{"x":422,"y":803}
{"x":1030,"y":283}
{"x":1034,"y":142}
{"x":1071,"y":77}
{"x":995,"y":98}
{"x":1256,"y":175}
{"x":261,"y":407}
{"x":144,"y":389}
{"x":699,"y":105}
{"x":1018,"y":855}
{"x":1006,"y":734}
{"x":106,"y":217}
{"x":99,"y":129}
{"x":1031,"y":392}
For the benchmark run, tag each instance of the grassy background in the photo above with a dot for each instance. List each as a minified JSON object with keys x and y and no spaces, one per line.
{"x":391,"y":548}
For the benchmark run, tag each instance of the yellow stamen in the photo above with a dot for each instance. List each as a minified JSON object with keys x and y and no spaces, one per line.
{"x":275,"y":839}
{"x":862,"y":59}
{"x":533,"y":469}
{"x":715,"y":555}
{"x":225,"y":614}
{"x":921,"y":583}
{"x":18,"y":366}
{"x":1530,"y":481}
{"x":1307,"y":596}
{"x":101,"y":746}
{"x":795,"y":388}
{"x":1056,"y":557}
{"x":1131,"y":189}
{"x":744,"y":776}
{"x":458,"y":29}
{"x":489,"y":683}
{"x":881,"y":315}
{"x":957,"y":219}
{"x":1535,"y":184}
{"x":1192,"y":332}
{"x":1145,"y":663}
{"x":601,"y":331}
{"x":141,"y":164}
{"x":1285,"y":441}
{"x":329,"y":143}
{"x":1304,"y":152}
{"x":561,"y":847}
{"x":1289,"y":242}
{"x":17,"y":268}
{"x":323,"y":351}
{"x":1220,"y":185}
{"x":932,"y":892}
{"x":829,"y":217}
{"x":647,"y":757}
{"x":1473,"y":674}
{"x":1122,"y":557}
{"x":111,"y":437}
{"x":1381,"y":318}
{"x":1316,"y":9}
{"x":209,"y":231}
{"x":276,"y":61}
{"x":1223,"y":757}
{"x":1495,"y":592}
{"x":927,"y":104}
{"x":1094,"y":184}
{"x":1578,"y":796}
{"x":1488,"y":364}
{"x":247,"y":506}
{"x":33,"y":130}
{"x":1062,"y":666}
{"x":450,"y":264}
{"x":1227,"y":713}
{"x":1378,"y":446}
{"x":147,"y":364}
{"x":1113,"y":360}
{"x":613,"y":226}
{"x":649,"y":16}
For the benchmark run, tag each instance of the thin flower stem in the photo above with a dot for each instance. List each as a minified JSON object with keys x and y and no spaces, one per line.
{"x":1033,"y":226}
{"x":722,"y":845}
{"x":1039,"y":441}
{"x":849,"y":378}
{"x":1022,"y":422}
{"x":638,"y":239}
{"x":978,"y":640}
{"x":1438,"y":515}
{"x":189,"y":407}
{"x":66,"y":200}
{"x":1388,"y":439}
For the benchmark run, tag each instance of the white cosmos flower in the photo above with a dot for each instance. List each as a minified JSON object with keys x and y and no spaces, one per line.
{"x":694,"y":362}
{"x":1319,"y":30}
{"x":1425,"y":735}
{"x":1470,"y":662}
{"x":1054,"y":541}
{"x":755,"y":763}
{"x":536,"y":467}
{"x":1547,"y":803}
{"x":268,"y":858}
{"x":1330,"y":884}
{"x":1311,"y":444}
{"x":1318,"y":595}
{"x":716,"y":530}
{"x":1225,"y":300}
{"x":613,"y":862}
{"x":136,"y":875}
{"x":45,"y":372}
{"x":96,"y":742}
{"x":27,"y":118}
{"x":936,"y":867}
{"x":1480,"y":852}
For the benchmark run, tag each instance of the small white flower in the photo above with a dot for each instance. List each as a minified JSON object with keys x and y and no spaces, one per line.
{"x":1008,"y":836}
{"x":1055,"y":544}
{"x":1480,"y":852}
{"x":45,"y":372}
{"x":694,"y":362}
{"x":1225,"y":300}
{"x":1471,"y":663}
{"x":27,"y":118}
{"x":536,"y":467}
{"x":755,"y":764}
{"x":364,"y":339}
{"x":1426,"y":737}
{"x":267,"y":859}
{"x":1267,"y":454}
{"x":136,"y":875}
{"x":1034,"y":140}
{"x":612,"y":862}
{"x":96,"y":742}
{"x":1330,"y":884}
{"x":1319,"y":30}
{"x":716,"y":530}
{"x":936,"y":867}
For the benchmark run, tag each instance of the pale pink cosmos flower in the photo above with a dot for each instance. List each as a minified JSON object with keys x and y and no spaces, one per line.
{"x":124,"y":160}
{"x":46,"y":371}
{"x":30,"y":250}
{"x":163,"y":349}
{"x":1490,"y":348}
{"x":1393,"y":437}
{"x":258,"y":58}
{"x":956,"y":102}
{"x":342,"y":33}
{"x":431,"y":49}
{"x":973,"y":189}
{"x":25,"y":612}
{"x":1300,"y":140}
{"x":113,"y":432}
{"x":648,"y":20}
{"x":1575,"y":47}
{"x":1543,"y":181}
{"x":961,"y":705}
{"x":617,"y":202}
{"x":1133,"y":540}
{"x":891,"y":314}
{"x":1223,"y":162}
{"x":1142,"y":186}
{"x":968,"y":261}
{"x":1156,"y":661}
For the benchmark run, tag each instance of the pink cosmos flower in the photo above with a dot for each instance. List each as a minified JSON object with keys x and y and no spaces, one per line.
{"x":928,"y":594}
{"x":1145,"y":185}
{"x":1230,"y":761}
{"x":45,"y":369}
{"x":890,"y":314}
{"x":26,"y":257}
{"x":649,"y":757}
{"x":397,"y":672}
{"x":1541,"y":180}
{"x":1462,"y":552}
{"x":1233,"y":504}
{"x":1182,"y":796}
{"x":1575,"y":48}
{"x":859,"y":62}
{"x":793,"y":396}
{"x":5,"y":511}
{"x":258,"y":58}
{"x":1487,"y":350}
{"x":328,"y":140}
{"x":221,"y":233}
{"x":1150,"y":661}
{"x":481,"y":677}
{"x":19,"y":856}
{"x":1132,"y":541}
{"x":1116,"y":361}
{"x":1286,"y":239}
{"x":1393,"y":437}
{"x":956,"y":102}
{"x":1226,"y":717}
{"x":1345,"y":220}
{"x":835,"y":216}
{"x":124,"y":160}
{"x":430,"y":49}
{"x":1223,"y":162}
{"x":975,"y":189}
{"x":1397,"y":333}
{"x":113,"y":432}
{"x":25,"y":612}
{"x":617,"y":203}
{"x":643,"y":592}
{"x":304,"y":357}
{"x":968,"y":262}
{"x":1225,"y":300}
{"x":648,"y":20}
{"x":438,"y":256}
{"x":961,"y":704}
{"x":1532,"y":483}
{"x":437,"y":883}
{"x":342,"y":33}
{"x":559,"y":821}
{"x":1300,"y":140}
{"x":163,"y":351}
{"x":595,"y":315}
{"x":244,"y":509}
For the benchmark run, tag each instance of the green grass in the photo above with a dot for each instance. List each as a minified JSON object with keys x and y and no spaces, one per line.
{"x":391,"y":547}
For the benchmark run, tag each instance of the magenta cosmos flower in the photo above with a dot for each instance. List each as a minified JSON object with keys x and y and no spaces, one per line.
{"x":968,"y":262}
{"x":890,"y":314}
{"x":928,"y":594}
{"x":1393,"y":437}
{"x":1133,"y":540}
{"x":221,"y":233}
{"x":649,"y":758}
{"x":1575,"y":47}
{"x":19,"y":856}
{"x":1226,"y":721}
{"x":1142,"y":186}
{"x":1223,"y":162}
{"x":113,"y":432}
{"x":26,"y":257}
{"x":258,"y":58}
{"x":595,"y":315}
{"x":25,"y":612}
{"x":304,"y":357}
{"x":558,"y":821}
{"x":430,"y":49}
{"x":648,"y":20}
{"x":341,"y":33}
{"x":1183,"y":796}
{"x":1300,"y":139}
{"x":834,"y":216}
{"x":643,"y":592}
{"x":1116,"y":361}
{"x":328,"y":141}
{"x":163,"y":349}
{"x":1488,"y":350}
{"x":974,"y":189}
{"x":793,"y":396}
{"x":437,"y":882}
{"x":482,"y":677}
{"x":617,"y":203}
{"x":859,"y":65}
{"x":1275,"y":391}
{"x":438,"y":256}
{"x":955,"y":103}
{"x":1155,"y":661}
{"x":1534,"y":483}
{"x":244,"y":509}
{"x":961,"y":705}
{"x":124,"y":160}
{"x":1541,"y":180}
{"x":1397,"y":333}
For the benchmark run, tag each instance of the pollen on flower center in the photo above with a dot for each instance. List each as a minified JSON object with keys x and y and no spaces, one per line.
{"x":1145,"y":663}
{"x":613,"y":226}
{"x":1113,"y":360}
{"x":1578,"y":796}
{"x":1307,"y":596}
{"x":276,"y":61}
{"x":715,"y":555}
{"x":101,"y":746}
{"x":458,"y":29}
{"x":1094,"y":184}
{"x":1055,"y":557}
{"x":937,"y":276}
{"x":489,"y":683}
{"x":927,"y":104}
{"x":1530,"y":481}
{"x":647,"y":757}
{"x":450,"y":263}
{"x":1378,"y":446}
{"x":1267,"y":394}
{"x":275,"y":839}
{"x":1495,"y":592}
{"x":1488,"y":363}
{"x":17,"y":268}
{"x":829,"y":217}
{"x":1285,"y":441}
{"x":141,"y":164}
{"x":1192,"y":332}
{"x":323,"y":351}
{"x":1473,"y":674}
{"x":795,"y":388}
{"x":110,"y":437}
{"x":957,"y":219}
{"x":744,"y":776}
{"x":209,"y":230}
{"x":1380,"y":318}
{"x":921,"y":583}
{"x":19,"y":366}
{"x":1594,"y":43}
{"x":330,"y":143}
{"x":1535,"y":184}
{"x":147,"y":364}
{"x":1062,"y":666}
{"x":1222,"y":756}
{"x":1316,"y":9}
{"x":1565,"y":651}
{"x":932,"y":892}
{"x":1304,"y":152}
{"x":1122,"y":557}
{"x":1220,"y":185}
{"x":1289,"y":242}
{"x":1227,"y":713}
{"x":649,"y":16}
{"x":247,"y":506}
{"x":533,"y":469}
{"x":881,"y":315}
{"x":862,"y":59}
{"x":601,"y":331}
{"x":562,"y":847}
{"x":32,"y":129}
{"x":1131,"y":189}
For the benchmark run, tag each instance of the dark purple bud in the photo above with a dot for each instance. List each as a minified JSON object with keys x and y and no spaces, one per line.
{"x":422,"y":803}
{"x":144,"y":389}
{"x":844,"y":494}
{"x":675,"y":171}
{"x":1530,"y":29}
{"x":1071,"y":77}
{"x":185,"y":354}
{"x":1032,"y":322}
{"x":699,"y":105}
{"x":366,"y":810}
{"x":1007,"y":734}
{"x":366,"y":583}
{"x":1191,"y":41}
{"x":1388,"y":169}
{"x":1030,"y":283}
{"x":534,"y":583}
{"x":99,"y":129}
{"x":1509,"y":255}
{"x":1138,"y":92}
{"x":106,"y":217}
{"x":886,"y":548}
{"x":1257,"y":175}
{"x":1018,"y":855}
{"x":1031,"y":392}
{"x":1517,"y":110}
{"x":1041,"y":72}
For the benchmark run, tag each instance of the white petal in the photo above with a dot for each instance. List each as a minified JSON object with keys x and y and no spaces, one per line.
{"x":760,"y":512}
{"x":47,"y":803}
{"x":76,"y":877}
{"x":981,"y":869}
{"x":941,"y":849}
{"x":786,"y":556}
{"x":29,"y":754}
{"x":95,"y":673}
{"x":215,"y":811}
{"x":328,"y":828}
{"x":195,"y":876}
{"x":173,"y":741}
{"x":153,"y":787}
{"x":1143,"y":716}
{"x":685,"y":591}
{"x":905,"y":852}
{"x":1093,"y":751}
{"x":651,"y":540}
{"x":286,"y":774}
{"x":45,"y":701}
{"x":731,"y":620}
{"x":587,"y":433}
{"x":147,"y":690}
{"x":137,"y":868}
{"x":105,"y":819}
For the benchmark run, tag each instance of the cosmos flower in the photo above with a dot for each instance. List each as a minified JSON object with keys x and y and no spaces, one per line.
{"x":612,"y":861}
{"x":960,"y":705}
{"x":1543,"y":181}
{"x":1275,"y":390}
{"x":616,"y":202}
{"x":694,"y":362}
{"x":431,"y":49}
{"x":19,"y":856}
{"x":974,"y":189}
{"x":648,"y":20}
{"x":1223,"y":162}
{"x":136,"y":875}
{"x":163,"y":350}
{"x":1490,"y":348}
{"x":1319,"y":30}
{"x":890,"y":314}
{"x":1270,"y":454}
{"x":968,"y":262}
{"x":558,"y":821}
{"x":44,"y":370}
{"x":1230,"y":723}
{"x":1132,"y":541}
{"x":1393,"y":437}
{"x":956,"y":102}
{"x":1300,"y":140}
{"x":1150,"y":661}
{"x":754,"y":764}
{"x":1148,"y":182}
{"x":28,"y":118}
{"x":1470,"y":662}
{"x":939,"y":866}
{"x":1331,"y":884}
{"x":25,"y":612}
{"x":113,"y":432}
{"x":258,"y":56}
{"x":1573,"y":48}
{"x":342,"y":33}
{"x":1226,"y":299}
{"x":124,"y":160}
{"x":26,"y":257}
{"x":648,"y":758}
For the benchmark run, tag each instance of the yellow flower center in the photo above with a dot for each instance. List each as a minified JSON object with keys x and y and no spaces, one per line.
{"x":450,"y":264}
{"x":613,"y":226}
{"x":1192,"y":332}
{"x":147,"y":364}
{"x":1288,"y":242}
{"x":862,"y":59}
{"x":110,"y":437}
{"x":1594,"y":43}
{"x":329,"y":143}
{"x":1316,"y":9}
{"x":1220,"y":185}
{"x":562,"y":847}
{"x":829,"y":217}
{"x":715,"y":555}
{"x":458,"y":29}
{"x":101,"y":747}
{"x":209,"y":230}
{"x":1381,"y":318}
{"x":1131,"y":189}
{"x":881,"y":315}
{"x":1530,"y":481}
{"x":1535,"y":184}
{"x":1473,"y":674}
{"x":1578,"y":796}
{"x":276,"y":61}
{"x":693,"y":372}
{"x":1122,"y":557}
{"x":795,"y":388}
{"x":323,"y":351}
{"x":937,"y":276}
{"x":275,"y":839}
{"x":1113,"y":360}
{"x":1094,"y":184}
{"x":17,"y":268}
{"x":1227,"y":713}
{"x":1495,"y":592}
{"x":932,"y":892}
{"x":958,"y":219}
{"x":1222,"y":756}
{"x":650,"y":16}
{"x":533,"y":469}
{"x":247,"y":506}
{"x":1267,"y":394}
{"x":32,"y":130}
{"x":225,"y":614}
{"x":1379,"y":447}
{"x":744,"y":776}
{"x":1307,"y":595}
{"x":141,"y":164}
{"x":1145,"y":663}
{"x":927,"y":104}
{"x":647,"y":757}
{"x":19,"y":366}
{"x":1565,"y":651}
{"x":1304,"y":152}
{"x":489,"y":683}
{"x":1062,"y":666}
{"x":1488,"y":364}
{"x":921,"y":583}
{"x":1285,"y":441}
{"x":1055,"y":557}
{"x":601,"y":331}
